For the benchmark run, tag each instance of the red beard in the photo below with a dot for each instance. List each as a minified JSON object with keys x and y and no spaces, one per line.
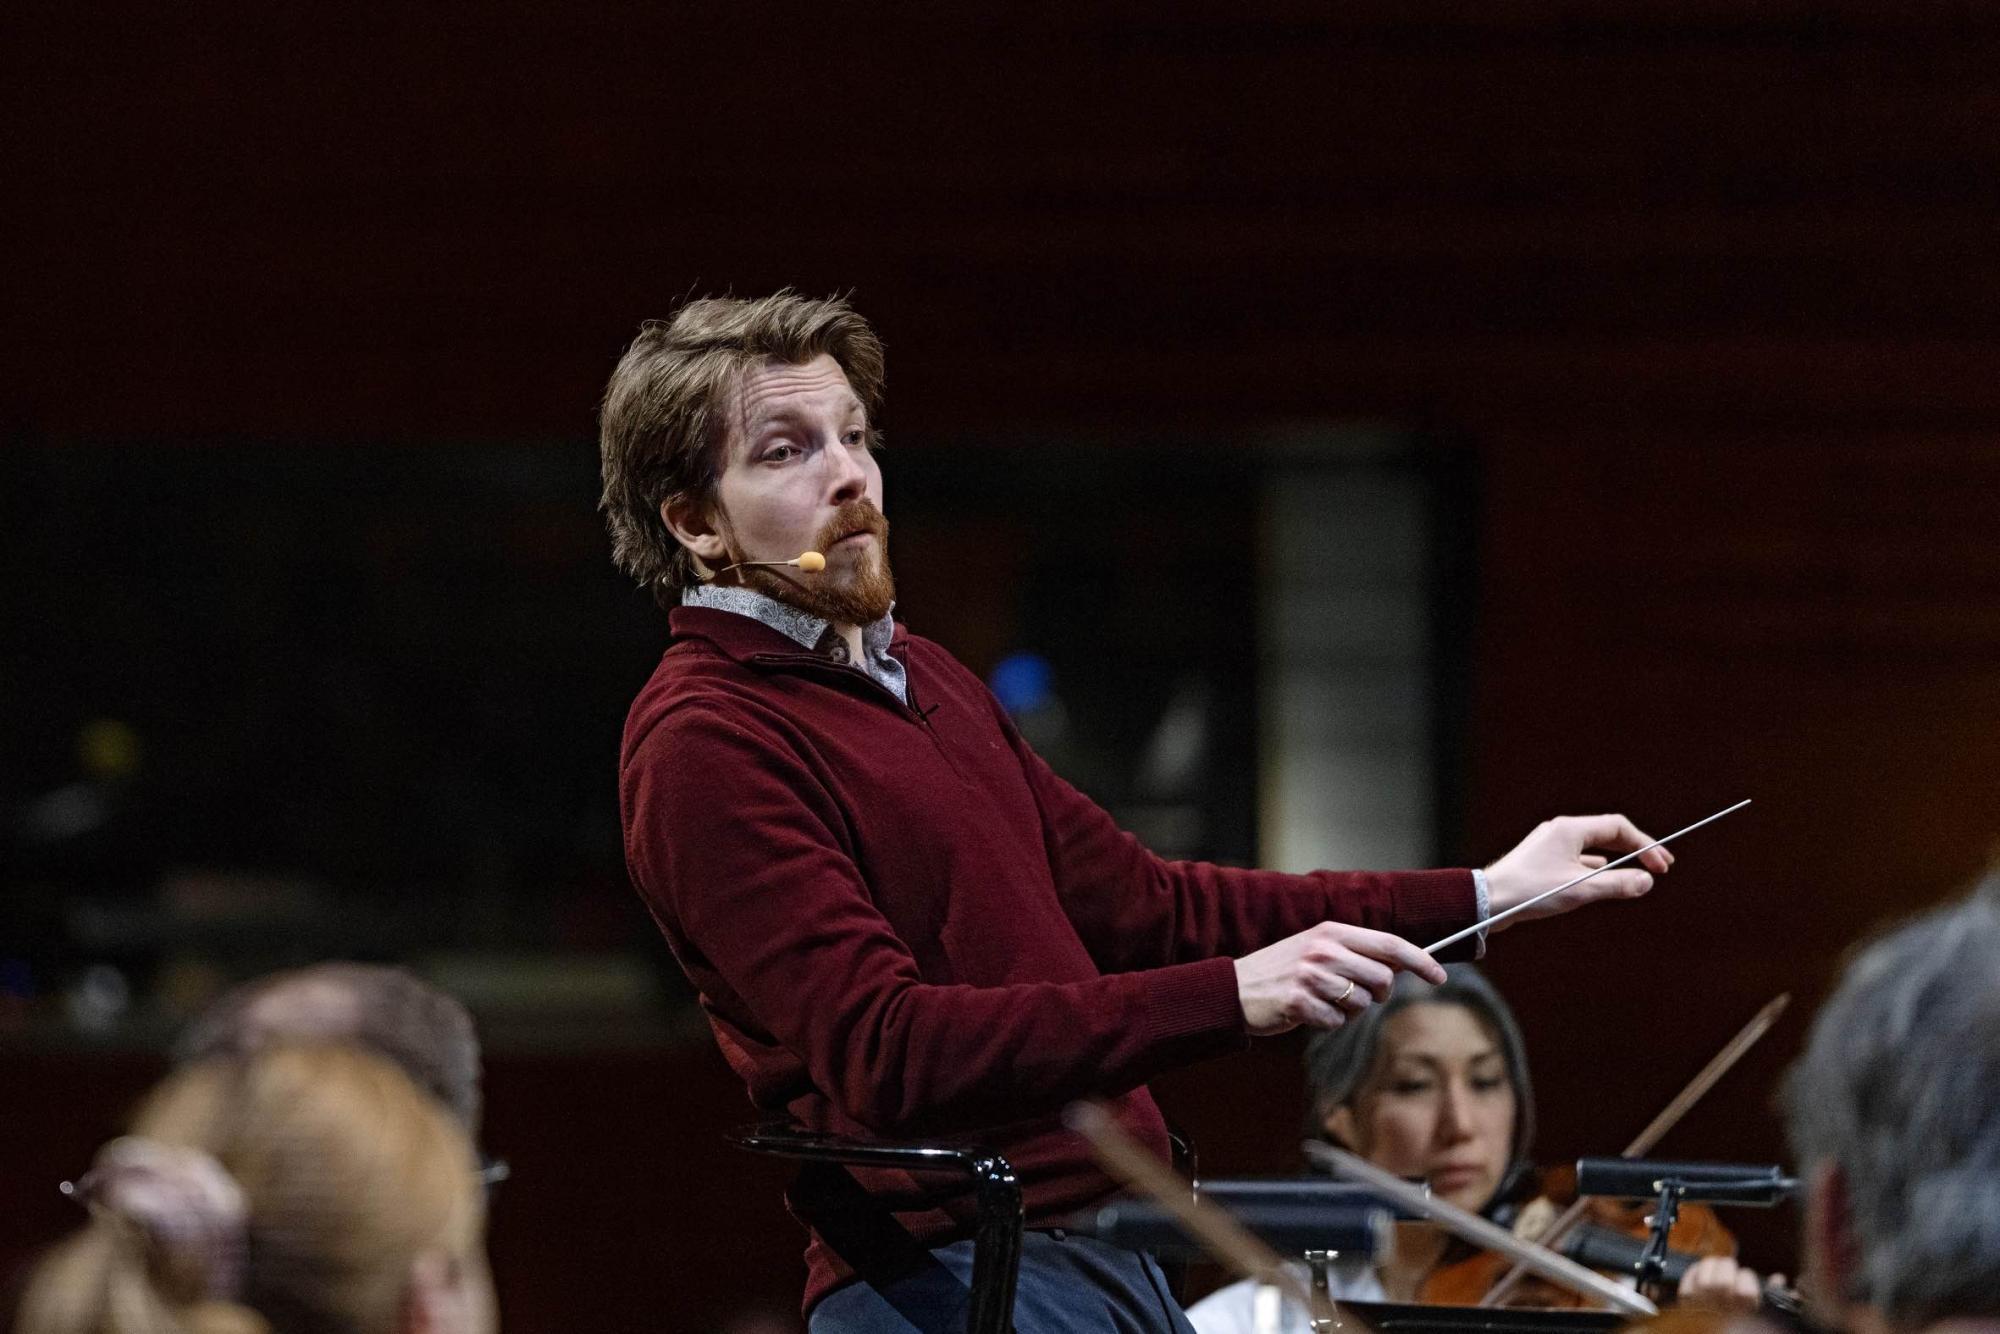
{"x":854,"y":589}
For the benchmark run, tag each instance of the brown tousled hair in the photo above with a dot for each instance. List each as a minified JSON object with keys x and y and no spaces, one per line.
{"x":664,"y":413}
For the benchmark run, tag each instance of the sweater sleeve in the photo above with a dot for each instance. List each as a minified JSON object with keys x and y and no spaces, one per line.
{"x":1135,"y":910}
{"x":772,"y":902}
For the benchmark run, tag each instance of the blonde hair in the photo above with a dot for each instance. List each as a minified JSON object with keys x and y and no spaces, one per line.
{"x":347,"y":1174}
{"x":664,"y":414}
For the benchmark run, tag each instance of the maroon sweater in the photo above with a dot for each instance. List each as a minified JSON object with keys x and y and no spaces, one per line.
{"x":903,"y":924}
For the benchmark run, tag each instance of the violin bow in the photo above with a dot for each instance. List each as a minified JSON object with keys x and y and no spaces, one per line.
{"x":1642,"y":1144}
{"x":1472,"y":1228}
{"x":1226,"y":1239}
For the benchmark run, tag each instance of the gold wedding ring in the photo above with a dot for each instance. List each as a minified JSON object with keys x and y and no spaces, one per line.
{"x":1345,"y":994}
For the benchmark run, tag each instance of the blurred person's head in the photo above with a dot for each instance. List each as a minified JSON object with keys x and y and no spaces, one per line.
{"x":386,"y":1009}
{"x":1894,"y":1117}
{"x":744,"y":430}
{"x":297,"y":1190}
{"x":1431,"y":1083}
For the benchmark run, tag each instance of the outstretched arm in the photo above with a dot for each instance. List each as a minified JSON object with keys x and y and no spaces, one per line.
{"x":1134,"y":909}
{"x":1303,"y":938}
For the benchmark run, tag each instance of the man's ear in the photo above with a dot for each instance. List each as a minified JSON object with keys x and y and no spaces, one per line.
{"x":695,"y":528}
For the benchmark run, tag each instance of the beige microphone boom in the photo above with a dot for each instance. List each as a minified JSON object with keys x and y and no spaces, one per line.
{"x":812,"y":562}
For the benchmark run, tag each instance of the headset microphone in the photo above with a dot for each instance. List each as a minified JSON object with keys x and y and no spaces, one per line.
{"x":812,"y":562}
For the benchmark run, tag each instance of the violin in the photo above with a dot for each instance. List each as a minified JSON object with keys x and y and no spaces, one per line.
{"x":1608,"y":1239}
{"x":1467,"y":1278}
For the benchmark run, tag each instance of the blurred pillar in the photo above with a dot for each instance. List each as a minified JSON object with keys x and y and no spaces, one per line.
{"x":1345,"y":714}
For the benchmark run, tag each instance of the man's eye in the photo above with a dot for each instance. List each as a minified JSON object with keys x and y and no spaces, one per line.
{"x":854,"y":438}
{"x":781,"y":453}
{"x":1409,"y":1087}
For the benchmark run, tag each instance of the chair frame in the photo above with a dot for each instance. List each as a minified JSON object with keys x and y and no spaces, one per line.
{"x":996,"y":1248}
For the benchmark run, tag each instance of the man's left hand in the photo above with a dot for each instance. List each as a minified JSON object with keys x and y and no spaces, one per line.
{"x":1563,"y":849}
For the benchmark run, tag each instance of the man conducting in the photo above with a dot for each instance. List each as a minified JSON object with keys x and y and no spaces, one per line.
{"x":901,"y":922}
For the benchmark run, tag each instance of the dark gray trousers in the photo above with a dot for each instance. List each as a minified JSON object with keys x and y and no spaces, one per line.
{"x":1068,"y":1285}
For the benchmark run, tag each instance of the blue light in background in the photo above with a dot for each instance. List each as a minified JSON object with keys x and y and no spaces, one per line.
{"x":1022,"y":682}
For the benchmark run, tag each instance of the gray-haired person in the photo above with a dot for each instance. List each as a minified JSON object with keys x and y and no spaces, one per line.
{"x":387,"y":1009}
{"x":1894,"y":1117}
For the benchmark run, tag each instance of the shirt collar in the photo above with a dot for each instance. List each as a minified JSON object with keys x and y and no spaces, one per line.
{"x":801,"y":627}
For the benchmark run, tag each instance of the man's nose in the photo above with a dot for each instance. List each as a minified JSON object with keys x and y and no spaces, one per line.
{"x":847,"y":478}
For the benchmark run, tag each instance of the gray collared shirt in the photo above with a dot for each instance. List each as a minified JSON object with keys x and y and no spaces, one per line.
{"x":813,"y":633}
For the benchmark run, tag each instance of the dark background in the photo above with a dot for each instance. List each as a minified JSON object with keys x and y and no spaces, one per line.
{"x":307,"y":311}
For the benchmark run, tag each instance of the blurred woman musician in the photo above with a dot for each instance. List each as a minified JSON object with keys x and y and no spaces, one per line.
{"x":1432,"y":1085}
{"x":296,"y":1190}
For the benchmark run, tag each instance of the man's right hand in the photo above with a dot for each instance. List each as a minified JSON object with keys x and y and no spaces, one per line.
{"x":1304,"y":979}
